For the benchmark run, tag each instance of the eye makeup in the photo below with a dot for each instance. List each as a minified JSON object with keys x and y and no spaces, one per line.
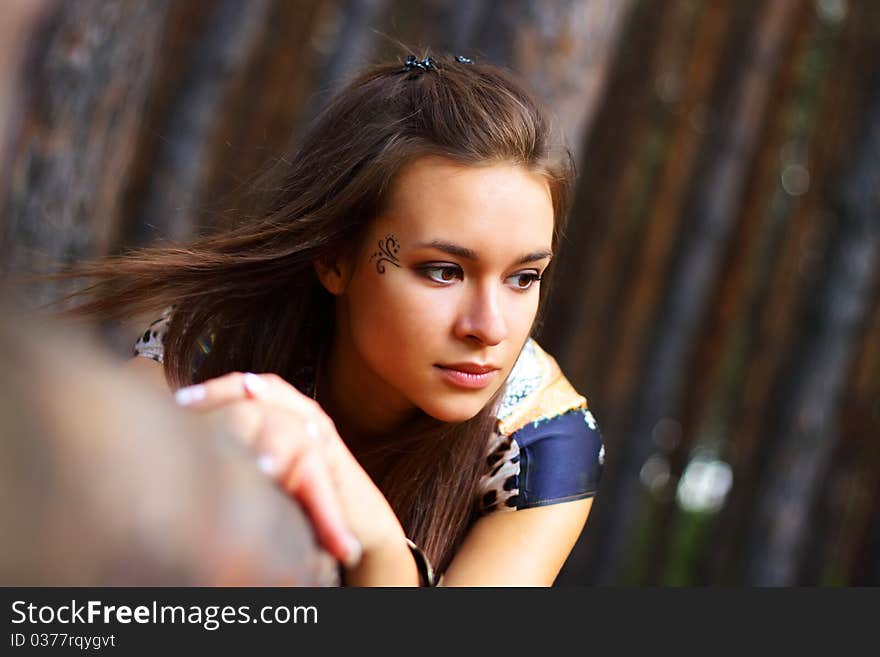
{"x":531,"y":277}
{"x":445,"y":269}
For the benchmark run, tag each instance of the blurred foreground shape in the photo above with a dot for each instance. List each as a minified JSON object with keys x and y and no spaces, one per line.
{"x":105,"y":482}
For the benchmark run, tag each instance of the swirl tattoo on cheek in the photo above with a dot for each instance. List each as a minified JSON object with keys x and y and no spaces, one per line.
{"x":387,"y":252}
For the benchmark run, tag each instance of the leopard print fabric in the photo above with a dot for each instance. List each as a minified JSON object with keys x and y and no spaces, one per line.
{"x":537,"y":392}
{"x":152,"y":343}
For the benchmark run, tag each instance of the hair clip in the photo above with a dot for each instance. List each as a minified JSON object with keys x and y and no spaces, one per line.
{"x":412,"y":63}
{"x":423,"y":65}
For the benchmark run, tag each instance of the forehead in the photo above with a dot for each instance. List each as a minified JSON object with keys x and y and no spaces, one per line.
{"x":434,"y":198}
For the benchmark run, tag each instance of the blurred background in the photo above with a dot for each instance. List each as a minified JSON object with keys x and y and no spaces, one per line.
{"x":717,"y":292}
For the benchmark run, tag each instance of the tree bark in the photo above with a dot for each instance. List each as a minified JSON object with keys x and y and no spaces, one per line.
{"x":90,"y":74}
{"x":807,"y":426}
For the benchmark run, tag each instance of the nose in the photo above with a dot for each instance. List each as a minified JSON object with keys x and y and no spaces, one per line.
{"x":482,"y":316}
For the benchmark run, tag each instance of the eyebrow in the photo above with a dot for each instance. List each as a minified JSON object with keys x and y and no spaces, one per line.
{"x":469,"y":254}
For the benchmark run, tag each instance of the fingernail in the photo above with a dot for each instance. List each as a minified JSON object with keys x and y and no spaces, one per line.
{"x":254,"y":383}
{"x":355,"y":552}
{"x":190,"y":394}
{"x":266,"y":464}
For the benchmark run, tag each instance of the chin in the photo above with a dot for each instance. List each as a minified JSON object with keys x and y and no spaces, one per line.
{"x":454,"y":410}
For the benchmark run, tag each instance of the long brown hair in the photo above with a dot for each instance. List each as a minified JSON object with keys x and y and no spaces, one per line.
{"x":254,"y":289}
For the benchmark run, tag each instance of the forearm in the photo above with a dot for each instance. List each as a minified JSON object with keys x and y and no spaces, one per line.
{"x":392,"y":564}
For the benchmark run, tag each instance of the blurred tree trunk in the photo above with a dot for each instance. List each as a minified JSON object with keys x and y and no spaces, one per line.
{"x":710,"y":215}
{"x":227,"y":99}
{"x":561,"y":49}
{"x":819,"y":141}
{"x":89,"y":75}
{"x":840,"y":550}
{"x":806,"y":429}
{"x":22,"y":20}
{"x":638,"y":159}
{"x":147,"y":123}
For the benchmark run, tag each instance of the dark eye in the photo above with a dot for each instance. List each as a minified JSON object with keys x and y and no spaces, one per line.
{"x":442,"y":273}
{"x":525,"y":280}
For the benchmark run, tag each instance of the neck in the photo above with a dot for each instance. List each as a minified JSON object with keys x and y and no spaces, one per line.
{"x":363,"y":408}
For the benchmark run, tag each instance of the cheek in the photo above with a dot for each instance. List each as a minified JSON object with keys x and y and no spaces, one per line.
{"x":524,"y":315}
{"x":398,"y":320}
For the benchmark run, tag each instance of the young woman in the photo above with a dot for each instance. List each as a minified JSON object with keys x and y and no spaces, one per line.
{"x":367,"y":330}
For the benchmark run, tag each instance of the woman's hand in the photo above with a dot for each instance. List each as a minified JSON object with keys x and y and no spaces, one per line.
{"x":297,"y":444}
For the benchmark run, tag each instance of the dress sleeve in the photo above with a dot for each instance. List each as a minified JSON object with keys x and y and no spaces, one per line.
{"x":151,"y":343}
{"x":561,"y":459}
{"x":544,"y":462}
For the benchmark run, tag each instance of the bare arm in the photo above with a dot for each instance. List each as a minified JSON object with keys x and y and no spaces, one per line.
{"x":519,"y":548}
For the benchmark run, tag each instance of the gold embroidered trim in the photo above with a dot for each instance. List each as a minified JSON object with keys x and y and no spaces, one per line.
{"x":553,"y":396}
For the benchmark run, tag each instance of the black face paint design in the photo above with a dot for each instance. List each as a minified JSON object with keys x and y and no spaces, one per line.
{"x":387,"y":252}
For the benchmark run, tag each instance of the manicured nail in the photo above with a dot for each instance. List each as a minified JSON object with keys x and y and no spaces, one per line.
{"x":189,"y":395}
{"x":254,"y":383}
{"x":355,"y":552}
{"x":267,"y":464}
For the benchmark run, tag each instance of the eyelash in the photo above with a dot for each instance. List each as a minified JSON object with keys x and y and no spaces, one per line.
{"x":534,"y":277}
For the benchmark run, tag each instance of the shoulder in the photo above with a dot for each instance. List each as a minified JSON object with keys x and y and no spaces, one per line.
{"x":151,"y":343}
{"x":546,"y":447}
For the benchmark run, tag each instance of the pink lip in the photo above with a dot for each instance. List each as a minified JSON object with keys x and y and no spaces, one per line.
{"x":471,"y":368}
{"x":467,"y":380}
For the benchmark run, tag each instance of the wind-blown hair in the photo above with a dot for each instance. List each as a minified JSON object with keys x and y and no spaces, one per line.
{"x":254,"y":288}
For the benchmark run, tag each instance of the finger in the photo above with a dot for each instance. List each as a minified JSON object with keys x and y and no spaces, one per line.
{"x":269,"y":388}
{"x":243,"y":419}
{"x":299,"y":465}
{"x":280,"y":441}
{"x":240,"y":385}
{"x":275,"y":390}
{"x":212,"y":392}
{"x":309,"y":481}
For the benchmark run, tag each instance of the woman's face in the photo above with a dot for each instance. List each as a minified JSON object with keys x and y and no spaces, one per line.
{"x":447,"y":281}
